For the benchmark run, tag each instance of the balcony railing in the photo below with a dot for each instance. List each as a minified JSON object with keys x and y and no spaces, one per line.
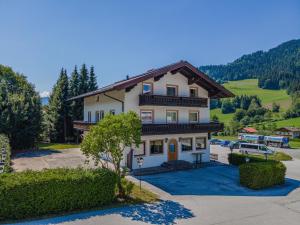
{"x":82,"y":125}
{"x":163,"y":100}
{"x":155,"y":129}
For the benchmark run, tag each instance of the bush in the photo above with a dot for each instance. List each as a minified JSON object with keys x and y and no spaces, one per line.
{"x":35,"y":193}
{"x":239,"y":159}
{"x":4,"y":143}
{"x":262,"y":175}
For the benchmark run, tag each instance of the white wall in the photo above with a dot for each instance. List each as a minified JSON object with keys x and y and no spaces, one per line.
{"x":105,"y":103}
{"x":159,"y":88}
{"x":157,"y":160}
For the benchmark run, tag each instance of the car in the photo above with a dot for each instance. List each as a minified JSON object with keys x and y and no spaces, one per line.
{"x":236,"y":144}
{"x":225,"y":143}
{"x":215,"y":141}
{"x":247,"y":148}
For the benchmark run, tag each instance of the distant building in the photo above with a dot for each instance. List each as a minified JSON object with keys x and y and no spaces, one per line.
{"x":248,"y":130}
{"x":291,"y":132}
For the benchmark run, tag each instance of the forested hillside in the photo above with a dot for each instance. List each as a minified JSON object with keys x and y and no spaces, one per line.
{"x":278,"y":68}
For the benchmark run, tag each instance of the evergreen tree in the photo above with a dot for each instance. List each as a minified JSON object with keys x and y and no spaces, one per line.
{"x":83,"y":80}
{"x":92,"y":80}
{"x":59,"y":108}
{"x":76,"y":105}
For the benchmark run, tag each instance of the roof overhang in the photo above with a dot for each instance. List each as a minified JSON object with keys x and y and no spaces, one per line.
{"x":214,"y":89}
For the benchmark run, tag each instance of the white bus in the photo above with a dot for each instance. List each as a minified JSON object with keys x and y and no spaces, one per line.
{"x":248,"y":148}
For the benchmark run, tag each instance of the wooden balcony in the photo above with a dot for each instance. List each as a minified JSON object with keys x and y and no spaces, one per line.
{"x":163,"y":100}
{"x":82,"y":125}
{"x":156,"y":129}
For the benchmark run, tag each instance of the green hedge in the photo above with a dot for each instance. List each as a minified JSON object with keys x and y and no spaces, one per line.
{"x":4,"y":143}
{"x":239,"y":159}
{"x":35,"y":193}
{"x":261,"y":175}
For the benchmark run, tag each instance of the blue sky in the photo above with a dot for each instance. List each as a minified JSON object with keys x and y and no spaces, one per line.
{"x":39,"y":37}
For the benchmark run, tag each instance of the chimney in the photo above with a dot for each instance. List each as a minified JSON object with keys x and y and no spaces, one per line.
{"x":127,"y":77}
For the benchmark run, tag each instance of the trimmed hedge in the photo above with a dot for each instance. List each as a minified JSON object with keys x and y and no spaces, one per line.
{"x":4,"y":143}
{"x":239,"y":159}
{"x":262,"y":175}
{"x":35,"y":193}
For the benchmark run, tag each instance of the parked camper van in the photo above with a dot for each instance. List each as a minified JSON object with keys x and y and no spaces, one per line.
{"x":248,"y":148}
{"x":276,"y":141}
{"x":253,"y":138}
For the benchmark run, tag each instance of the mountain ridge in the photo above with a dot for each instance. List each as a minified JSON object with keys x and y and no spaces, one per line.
{"x":277,"y":68}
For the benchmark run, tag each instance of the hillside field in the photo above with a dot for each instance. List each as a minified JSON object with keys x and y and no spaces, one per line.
{"x":250,"y":87}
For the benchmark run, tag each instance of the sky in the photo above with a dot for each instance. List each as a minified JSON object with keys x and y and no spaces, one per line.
{"x":119,"y":38}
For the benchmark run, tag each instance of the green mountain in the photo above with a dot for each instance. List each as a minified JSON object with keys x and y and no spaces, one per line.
{"x":278,"y":68}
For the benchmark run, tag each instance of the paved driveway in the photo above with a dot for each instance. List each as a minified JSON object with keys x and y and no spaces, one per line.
{"x":213,"y":180}
{"x":41,"y":159}
{"x":202,"y":201}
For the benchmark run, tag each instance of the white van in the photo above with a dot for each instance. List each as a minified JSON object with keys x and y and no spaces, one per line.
{"x":247,"y":148}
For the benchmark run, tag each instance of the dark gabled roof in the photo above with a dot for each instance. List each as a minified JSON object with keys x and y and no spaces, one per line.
{"x":292,"y":129}
{"x":214,"y":89}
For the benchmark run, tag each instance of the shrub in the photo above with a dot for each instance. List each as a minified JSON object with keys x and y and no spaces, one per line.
{"x":35,"y":193}
{"x":262,"y":175}
{"x":4,"y":143}
{"x":239,"y":159}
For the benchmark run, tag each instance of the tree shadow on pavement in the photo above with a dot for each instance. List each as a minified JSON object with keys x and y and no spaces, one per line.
{"x":161,"y":212}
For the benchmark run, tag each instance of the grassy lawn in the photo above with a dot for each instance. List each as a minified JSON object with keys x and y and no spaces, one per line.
{"x":250,"y":87}
{"x":293,"y":122}
{"x":279,"y":156}
{"x":295,"y":143}
{"x":225,"y":118}
{"x":229,"y":138}
{"x":56,"y":146}
{"x":142,"y":196}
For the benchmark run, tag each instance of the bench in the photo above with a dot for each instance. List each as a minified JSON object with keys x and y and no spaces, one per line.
{"x":213,"y":157}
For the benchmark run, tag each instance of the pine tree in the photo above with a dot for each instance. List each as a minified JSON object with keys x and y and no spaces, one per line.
{"x":76,"y":105}
{"x":92,"y":80}
{"x":83,"y":80}
{"x":59,"y":108}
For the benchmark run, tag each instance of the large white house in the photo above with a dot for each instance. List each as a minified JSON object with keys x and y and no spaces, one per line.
{"x":173,"y":104}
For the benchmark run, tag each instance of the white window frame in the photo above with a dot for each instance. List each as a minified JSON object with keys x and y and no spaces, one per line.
{"x":197,"y":112}
{"x":147,"y":111}
{"x":151,"y":88}
{"x":181,"y":143}
{"x":168,"y":111}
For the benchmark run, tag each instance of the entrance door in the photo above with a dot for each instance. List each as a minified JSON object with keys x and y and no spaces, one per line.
{"x":172,"y":150}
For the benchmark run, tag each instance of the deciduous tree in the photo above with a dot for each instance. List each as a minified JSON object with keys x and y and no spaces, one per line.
{"x":109,"y":138}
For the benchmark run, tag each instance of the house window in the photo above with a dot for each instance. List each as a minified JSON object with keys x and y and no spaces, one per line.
{"x":97,"y":116}
{"x":112,"y":112}
{"x":194,"y":117}
{"x":172,"y":90}
{"x":200,"y":143}
{"x":186,"y":144}
{"x":147,"y":88}
{"x":101,"y":114}
{"x":89,"y":116}
{"x":193,"y":92}
{"x":172,"y":117}
{"x":147,"y":116}
{"x":141,"y":150}
{"x":156,"y":147}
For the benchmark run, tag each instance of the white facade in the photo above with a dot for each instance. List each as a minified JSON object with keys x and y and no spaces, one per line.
{"x":121,"y":100}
